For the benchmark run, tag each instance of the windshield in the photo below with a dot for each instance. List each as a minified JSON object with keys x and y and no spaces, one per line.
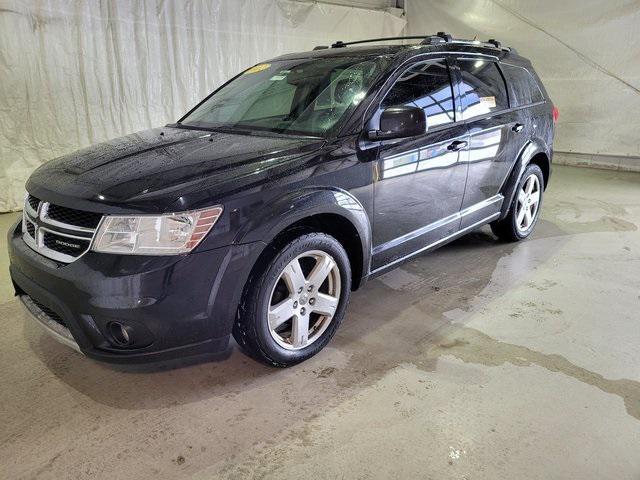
{"x":302,"y":96}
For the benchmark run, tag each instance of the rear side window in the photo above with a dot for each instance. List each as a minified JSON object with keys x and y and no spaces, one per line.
{"x":482,"y":88}
{"x":523,"y":88}
{"x":428,"y":86}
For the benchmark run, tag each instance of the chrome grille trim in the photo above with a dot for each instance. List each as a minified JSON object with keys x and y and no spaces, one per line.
{"x":28,"y":209}
{"x":43,"y":224}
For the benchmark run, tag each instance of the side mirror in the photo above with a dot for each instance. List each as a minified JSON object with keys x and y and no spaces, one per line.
{"x":400,"y":122}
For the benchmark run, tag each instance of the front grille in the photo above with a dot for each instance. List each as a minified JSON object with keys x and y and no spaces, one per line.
{"x":70,"y":216}
{"x":31,"y":229}
{"x":33,"y":202}
{"x":64,"y":244}
{"x":60,"y":233}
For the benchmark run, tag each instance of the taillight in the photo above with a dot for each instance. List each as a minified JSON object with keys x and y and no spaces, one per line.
{"x":556,"y":114}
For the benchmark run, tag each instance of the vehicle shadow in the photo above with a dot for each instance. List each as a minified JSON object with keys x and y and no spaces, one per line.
{"x":386,"y":319}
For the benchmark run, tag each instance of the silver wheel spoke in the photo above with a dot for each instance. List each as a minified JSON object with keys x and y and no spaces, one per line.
{"x":280,"y":313}
{"x":522,"y":197}
{"x":293,"y":276}
{"x":535,"y":197}
{"x":520,"y":216}
{"x":527,"y":217}
{"x":321,"y":271}
{"x":530,"y":185}
{"x":325,"y":305}
{"x":300,"y":331}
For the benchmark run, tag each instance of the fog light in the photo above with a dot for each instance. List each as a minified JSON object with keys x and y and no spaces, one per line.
{"x":119,"y":333}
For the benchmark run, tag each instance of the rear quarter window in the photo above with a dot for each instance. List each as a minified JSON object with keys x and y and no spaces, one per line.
{"x":482,"y":87}
{"x":523,"y":88}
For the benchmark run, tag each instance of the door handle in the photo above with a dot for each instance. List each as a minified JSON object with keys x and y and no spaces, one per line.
{"x":518,"y":127}
{"x":456,"y":145}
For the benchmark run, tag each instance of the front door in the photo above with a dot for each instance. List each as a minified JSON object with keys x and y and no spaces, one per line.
{"x":420,"y":181}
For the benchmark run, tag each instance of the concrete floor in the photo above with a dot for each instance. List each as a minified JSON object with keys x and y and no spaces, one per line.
{"x":481,"y":360}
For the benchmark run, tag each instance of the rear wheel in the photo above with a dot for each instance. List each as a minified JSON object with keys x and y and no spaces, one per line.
{"x":293,"y":305}
{"x":525,"y":208}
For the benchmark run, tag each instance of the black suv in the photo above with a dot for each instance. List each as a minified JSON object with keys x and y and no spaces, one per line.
{"x":259,"y":211}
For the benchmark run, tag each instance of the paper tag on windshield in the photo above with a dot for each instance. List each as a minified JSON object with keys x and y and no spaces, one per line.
{"x":489,"y":102}
{"x":257,"y":68}
{"x":282,"y":74}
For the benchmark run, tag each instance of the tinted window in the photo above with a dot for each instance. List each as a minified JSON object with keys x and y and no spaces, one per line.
{"x":523,"y":88}
{"x":426,"y":85}
{"x":483,"y":90}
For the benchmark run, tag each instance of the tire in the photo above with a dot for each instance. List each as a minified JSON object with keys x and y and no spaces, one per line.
{"x":276,"y":283}
{"x":514,"y":228}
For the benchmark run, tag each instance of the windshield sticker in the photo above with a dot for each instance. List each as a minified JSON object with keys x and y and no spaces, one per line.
{"x":282,"y":74}
{"x":258,"y":68}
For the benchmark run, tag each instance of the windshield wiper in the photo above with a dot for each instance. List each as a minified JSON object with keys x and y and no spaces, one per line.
{"x":243,"y":129}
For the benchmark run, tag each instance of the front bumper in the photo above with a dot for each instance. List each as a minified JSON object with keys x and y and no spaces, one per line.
{"x":52,"y":328}
{"x":173,"y":307}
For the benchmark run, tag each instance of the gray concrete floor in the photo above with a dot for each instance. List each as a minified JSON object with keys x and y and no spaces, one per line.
{"x":481,"y":360}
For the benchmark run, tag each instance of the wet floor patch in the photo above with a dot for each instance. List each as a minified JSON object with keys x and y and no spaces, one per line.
{"x":473,"y":346}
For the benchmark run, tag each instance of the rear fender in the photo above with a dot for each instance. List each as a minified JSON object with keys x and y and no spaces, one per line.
{"x":508,"y":190}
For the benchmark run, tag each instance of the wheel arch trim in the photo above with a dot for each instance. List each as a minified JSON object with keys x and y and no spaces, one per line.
{"x":272,"y":219}
{"x":533,"y":147}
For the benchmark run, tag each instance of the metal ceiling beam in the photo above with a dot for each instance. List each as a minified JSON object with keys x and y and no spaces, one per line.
{"x":368,"y":4}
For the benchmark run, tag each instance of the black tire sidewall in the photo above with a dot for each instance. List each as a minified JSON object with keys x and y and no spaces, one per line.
{"x":262,"y":297}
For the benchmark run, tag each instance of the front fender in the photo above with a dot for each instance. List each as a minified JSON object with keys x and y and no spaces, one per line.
{"x":267,"y":222}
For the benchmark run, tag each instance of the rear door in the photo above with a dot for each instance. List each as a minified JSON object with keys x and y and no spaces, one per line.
{"x":496,"y":135}
{"x":420,"y":180}
{"x":526,"y":97}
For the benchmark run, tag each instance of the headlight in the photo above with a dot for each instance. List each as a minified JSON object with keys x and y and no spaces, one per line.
{"x":168,"y":234}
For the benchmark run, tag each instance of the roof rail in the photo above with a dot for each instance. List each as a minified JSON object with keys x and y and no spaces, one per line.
{"x":438,"y":38}
{"x":492,"y":43}
{"x":341,"y":44}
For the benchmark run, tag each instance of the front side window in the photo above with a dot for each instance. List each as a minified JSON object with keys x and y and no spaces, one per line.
{"x":304,"y":96}
{"x":523,"y":88}
{"x":482,"y":88}
{"x":428,"y":86}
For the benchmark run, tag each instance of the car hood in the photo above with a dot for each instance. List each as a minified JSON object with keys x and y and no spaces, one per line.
{"x":149,"y":171}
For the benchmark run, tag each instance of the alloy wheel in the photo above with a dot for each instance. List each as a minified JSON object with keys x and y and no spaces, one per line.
{"x":528,"y":203}
{"x":304,"y":300}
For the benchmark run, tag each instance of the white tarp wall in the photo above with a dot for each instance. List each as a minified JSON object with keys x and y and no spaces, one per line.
{"x":76,"y":72}
{"x":586,"y":51}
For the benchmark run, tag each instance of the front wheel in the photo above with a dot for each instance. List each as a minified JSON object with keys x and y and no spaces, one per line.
{"x":293,"y":305}
{"x":525,"y":208}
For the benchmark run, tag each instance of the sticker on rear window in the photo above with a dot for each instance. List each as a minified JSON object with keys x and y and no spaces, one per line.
{"x":489,"y":102}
